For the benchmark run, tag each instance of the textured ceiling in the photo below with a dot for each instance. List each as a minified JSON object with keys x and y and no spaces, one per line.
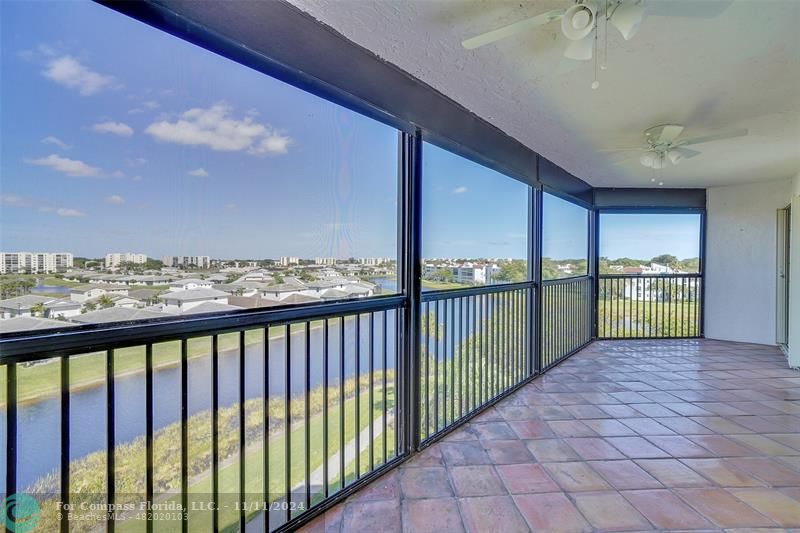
{"x":734,"y":64}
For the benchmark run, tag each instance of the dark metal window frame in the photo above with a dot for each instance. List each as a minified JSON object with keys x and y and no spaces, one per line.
{"x":693,"y":197}
{"x":499,"y":152}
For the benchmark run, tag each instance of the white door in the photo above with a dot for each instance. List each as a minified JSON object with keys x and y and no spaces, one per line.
{"x":782,"y":323}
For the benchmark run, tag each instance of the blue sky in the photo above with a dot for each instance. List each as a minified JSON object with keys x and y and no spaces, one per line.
{"x":646,"y":236}
{"x":118,"y":137}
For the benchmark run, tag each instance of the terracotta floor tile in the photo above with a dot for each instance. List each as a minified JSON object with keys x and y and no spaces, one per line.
{"x":687,"y":409}
{"x":636,"y":447}
{"x":531,"y":429}
{"x":716,"y":471}
{"x":524,"y":478}
{"x":517,"y":412}
{"x":431,"y":516}
{"x":789,"y":439}
{"x":329,"y":522}
{"x":665,"y":510}
{"x":673,"y":473}
{"x":586,"y":411}
{"x":428,"y":482}
{"x":372,"y":516}
{"x":464,"y":453}
{"x":503,"y":452}
{"x":551,"y":512}
{"x":722,"y":508}
{"x":771,"y":470}
{"x":720,"y":425}
{"x":625,"y":475}
{"x":653,"y":409}
{"x":608,"y":427}
{"x":620,"y":411}
{"x":431,"y":456}
{"x":764,"y":445}
{"x":593,"y":448}
{"x":678,"y":446}
{"x":574,"y":477}
{"x":386,"y":487}
{"x":551,"y":450}
{"x":683,"y":426}
{"x":647,"y":426}
{"x":482,"y":480}
{"x":551,"y":412}
{"x":773,"y":504}
{"x":571,"y":428}
{"x":608,"y":511}
{"x":491,"y":513}
{"x":721,"y":446}
{"x":492,"y":431}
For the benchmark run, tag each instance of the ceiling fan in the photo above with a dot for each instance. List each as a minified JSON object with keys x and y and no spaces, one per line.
{"x":662,"y":145}
{"x":580,"y":21}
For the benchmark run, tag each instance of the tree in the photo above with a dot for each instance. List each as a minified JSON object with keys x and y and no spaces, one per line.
{"x":278,"y":278}
{"x":88,"y":306}
{"x":665,"y":259}
{"x":512,"y":271}
{"x":37,"y":310}
{"x":105,"y":301}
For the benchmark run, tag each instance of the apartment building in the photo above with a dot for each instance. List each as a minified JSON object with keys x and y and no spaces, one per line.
{"x":186,"y":261}
{"x":114,"y":260}
{"x":288,"y":261}
{"x":35,"y":262}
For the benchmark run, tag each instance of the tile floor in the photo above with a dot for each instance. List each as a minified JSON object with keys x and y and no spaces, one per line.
{"x":623,"y":436}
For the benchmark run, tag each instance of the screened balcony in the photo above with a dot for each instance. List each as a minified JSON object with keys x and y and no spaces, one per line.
{"x":375,"y":310}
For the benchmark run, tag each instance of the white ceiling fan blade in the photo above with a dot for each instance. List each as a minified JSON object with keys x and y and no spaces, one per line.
{"x":628,"y":17}
{"x":699,"y":9}
{"x":512,"y":29}
{"x":741,"y":132}
{"x":669,"y":133}
{"x":580,"y":50}
{"x":676,"y":155}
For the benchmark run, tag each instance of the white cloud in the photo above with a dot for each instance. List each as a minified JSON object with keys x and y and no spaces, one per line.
{"x":230,"y":205}
{"x":215,"y":128}
{"x":118,"y":174}
{"x":69,"y":72}
{"x":201,"y":172}
{"x":117,"y":128}
{"x":137,"y":178}
{"x":135,"y":161}
{"x":115,"y":199}
{"x":460,"y":190}
{"x":12,"y":200}
{"x":70,"y":167}
{"x":66,"y":212}
{"x":151,"y":104}
{"x":56,"y":141}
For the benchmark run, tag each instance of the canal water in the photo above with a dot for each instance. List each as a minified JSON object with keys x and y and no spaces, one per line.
{"x":39,"y":421}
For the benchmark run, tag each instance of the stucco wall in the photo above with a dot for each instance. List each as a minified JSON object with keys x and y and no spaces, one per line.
{"x":794,"y":279}
{"x":740,"y":260}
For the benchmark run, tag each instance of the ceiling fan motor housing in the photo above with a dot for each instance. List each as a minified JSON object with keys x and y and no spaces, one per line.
{"x":579,"y":20}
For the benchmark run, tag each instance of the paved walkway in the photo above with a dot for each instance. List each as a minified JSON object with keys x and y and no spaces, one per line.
{"x":634,"y":435}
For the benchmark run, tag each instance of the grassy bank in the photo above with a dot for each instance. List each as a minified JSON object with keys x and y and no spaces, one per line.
{"x":88,"y":473}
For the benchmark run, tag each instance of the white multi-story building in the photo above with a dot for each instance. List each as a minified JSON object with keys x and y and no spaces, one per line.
{"x":324,"y":261}
{"x":183,"y":261}
{"x":470,"y":273}
{"x":35,"y":262}
{"x":286,"y":261}
{"x":113,"y":260}
{"x":373,"y":261}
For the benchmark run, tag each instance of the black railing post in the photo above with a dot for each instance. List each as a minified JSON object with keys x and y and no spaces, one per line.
{"x":536,"y":253}
{"x":410,"y":265}
{"x":594,"y":270}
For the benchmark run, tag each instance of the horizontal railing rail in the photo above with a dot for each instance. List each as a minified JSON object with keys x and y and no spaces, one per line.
{"x":27,"y":346}
{"x":220,"y":415}
{"x":566,"y":318}
{"x":646,"y":306}
{"x":474,"y":350}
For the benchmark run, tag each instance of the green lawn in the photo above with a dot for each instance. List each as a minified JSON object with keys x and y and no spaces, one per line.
{"x":441,"y":285}
{"x":200,"y":487}
{"x":629,"y":318}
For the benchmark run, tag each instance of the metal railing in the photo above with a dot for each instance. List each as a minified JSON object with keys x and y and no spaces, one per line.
{"x":474,"y":349}
{"x":566,"y":318}
{"x":287,"y":407}
{"x":648,"y":307}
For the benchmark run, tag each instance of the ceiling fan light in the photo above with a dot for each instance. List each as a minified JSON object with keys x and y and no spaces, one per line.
{"x":675,"y":156}
{"x":628,"y":18}
{"x":580,"y":50}
{"x":648,"y":159}
{"x":578,"y":21}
